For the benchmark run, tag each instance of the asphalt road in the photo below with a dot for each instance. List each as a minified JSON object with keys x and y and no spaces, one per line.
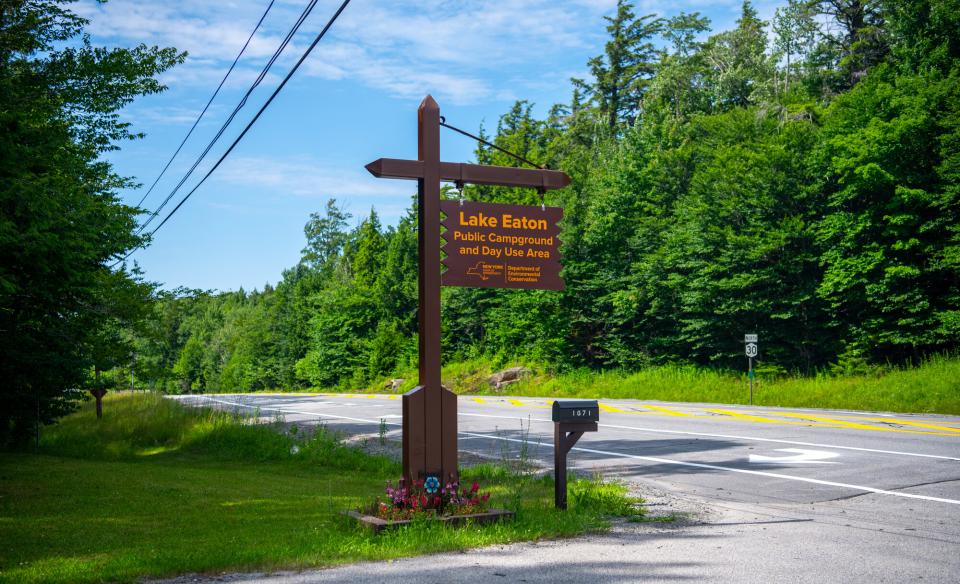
{"x":774,"y":494}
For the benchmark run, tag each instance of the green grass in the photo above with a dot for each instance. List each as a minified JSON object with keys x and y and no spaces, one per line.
{"x":141,"y":426}
{"x":155,"y":489}
{"x":931,"y":387}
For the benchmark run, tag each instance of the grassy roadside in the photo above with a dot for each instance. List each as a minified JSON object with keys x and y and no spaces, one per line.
{"x":932,"y":387}
{"x":156,"y":489}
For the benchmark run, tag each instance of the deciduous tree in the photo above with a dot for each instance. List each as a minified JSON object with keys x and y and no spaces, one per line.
{"x":61,"y":222}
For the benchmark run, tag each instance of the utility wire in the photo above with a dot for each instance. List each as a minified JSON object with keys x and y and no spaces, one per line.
{"x":243,"y":101}
{"x":250,"y":124}
{"x":443,"y":122}
{"x":212,"y":97}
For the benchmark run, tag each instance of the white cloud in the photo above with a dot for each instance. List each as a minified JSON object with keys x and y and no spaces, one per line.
{"x":307,"y":177}
{"x":170,"y":115}
{"x":458,"y":50}
{"x":263,"y":185}
{"x":452,"y":49}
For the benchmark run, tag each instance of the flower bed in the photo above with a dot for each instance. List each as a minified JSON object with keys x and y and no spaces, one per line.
{"x":428,"y":498}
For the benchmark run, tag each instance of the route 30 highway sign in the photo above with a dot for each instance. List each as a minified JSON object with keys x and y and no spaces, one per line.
{"x":751,"y":349}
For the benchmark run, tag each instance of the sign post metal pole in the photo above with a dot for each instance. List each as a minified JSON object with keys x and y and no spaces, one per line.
{"x":751,"y":350}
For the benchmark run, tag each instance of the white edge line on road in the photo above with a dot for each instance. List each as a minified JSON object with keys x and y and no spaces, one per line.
{"x":262,"y":409}
{"x":739,"y":470}
{"x":637,"y":457}
{"x":775,"y":440}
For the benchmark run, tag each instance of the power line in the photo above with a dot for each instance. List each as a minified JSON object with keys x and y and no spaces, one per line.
{"x":243,"y":101}
{"x":212,"y":97}
{"x":250,"y":124}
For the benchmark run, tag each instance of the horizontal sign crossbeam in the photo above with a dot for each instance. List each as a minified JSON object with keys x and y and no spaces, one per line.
{"x":506,"y":176}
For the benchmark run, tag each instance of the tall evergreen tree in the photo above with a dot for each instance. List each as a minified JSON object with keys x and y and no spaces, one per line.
{"x":622,"y":74}
{"x":860,"y":41}
{"x":325,"y":235}
{"x":741,"y":72}
{"x":679,"y":86}
{"x":369,"y":255}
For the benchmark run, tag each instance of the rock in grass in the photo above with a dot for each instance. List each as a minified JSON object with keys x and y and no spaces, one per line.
{"x":394,"y":384}
{"x":508,"y":376}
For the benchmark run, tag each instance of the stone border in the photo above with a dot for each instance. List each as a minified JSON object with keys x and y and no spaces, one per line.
{"x":378,"y":525}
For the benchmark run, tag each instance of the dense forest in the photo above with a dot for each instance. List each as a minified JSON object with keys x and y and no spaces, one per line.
{"x":796,"y":178}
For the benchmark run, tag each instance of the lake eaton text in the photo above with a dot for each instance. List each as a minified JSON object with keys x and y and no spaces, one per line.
{"x":496,"y":244}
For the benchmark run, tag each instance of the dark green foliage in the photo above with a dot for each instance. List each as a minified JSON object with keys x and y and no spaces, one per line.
{"x":889,"y":234}
{"x":923,"y":34}
{"x":855,"y":39}
{"x":805,"y":190}
{"x":63,"y":313}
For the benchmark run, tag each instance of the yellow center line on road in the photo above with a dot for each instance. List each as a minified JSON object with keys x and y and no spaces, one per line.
{"x":852,"y":425}
{"x":914,"y":424}
{"x":760,"y":419}
{"x":948,"y":424}
{"x":670,"y":412}
{"x":516,"y":402}
{"x":480,"y":400}
{"x":651,"y":410}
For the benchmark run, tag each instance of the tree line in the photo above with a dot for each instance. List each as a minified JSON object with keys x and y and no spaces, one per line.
{"x":796,"y":178}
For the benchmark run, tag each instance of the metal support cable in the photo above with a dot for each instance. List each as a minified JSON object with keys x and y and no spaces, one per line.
{"x":443,"y":122}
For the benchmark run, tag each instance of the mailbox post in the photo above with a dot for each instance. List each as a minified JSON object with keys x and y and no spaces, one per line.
{"x":571,"y":418}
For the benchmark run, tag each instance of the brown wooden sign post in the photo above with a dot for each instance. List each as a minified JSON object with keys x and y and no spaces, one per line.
{"x":430,"y":410}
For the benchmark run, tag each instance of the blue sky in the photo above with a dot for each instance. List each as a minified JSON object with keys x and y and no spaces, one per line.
{"x":354,"y":100}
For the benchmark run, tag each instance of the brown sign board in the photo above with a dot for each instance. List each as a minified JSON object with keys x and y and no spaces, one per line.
{"x":489,"y":245}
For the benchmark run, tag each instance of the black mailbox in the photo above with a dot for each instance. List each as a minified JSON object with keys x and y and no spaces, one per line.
{"x":576,"y":410}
